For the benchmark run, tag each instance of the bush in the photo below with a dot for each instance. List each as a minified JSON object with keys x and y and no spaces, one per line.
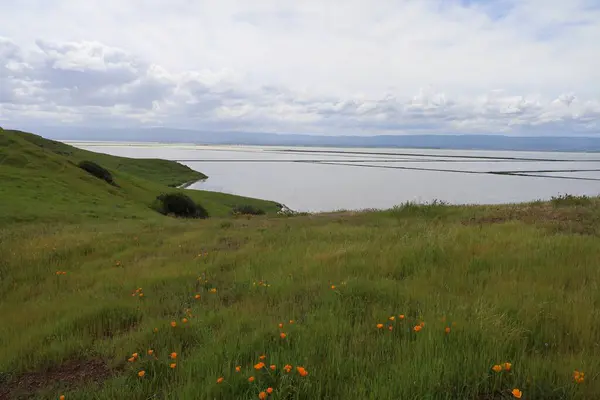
{"x":98,"y":171}
{"x":180,"y":205}
{"x":247,"y":210}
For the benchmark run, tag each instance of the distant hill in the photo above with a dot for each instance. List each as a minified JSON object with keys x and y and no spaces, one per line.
{"x":456,"y":142}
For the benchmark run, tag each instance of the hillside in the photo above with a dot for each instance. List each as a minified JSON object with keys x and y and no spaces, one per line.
{"x":41,"y":181}
{"x":417,"y":302}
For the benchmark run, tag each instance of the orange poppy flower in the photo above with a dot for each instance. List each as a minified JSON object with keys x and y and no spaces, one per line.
{"x":287,"y":368}
{"x":135,"y":355}
{"x":332,"y":287}
{"x":497,"y":368}
{"x":280,"y":326}
{"x":507,"y":366}
{"x":197,"y":297}
{"x":251,"y":379}
{"x":155,"y":330}
{"x":282,"y":335}
{"x":173,"y":355}
{"x":131,"y":359}
{"x":379,"y":326}
{"x":213,"y":290}
{"x":301,"y":371}
{"x":262,"y":357}
{"x":291,"y":321}
{"x":447,"y":330}
{"x":273,"y":367}
{"x":150,"y":352}
{"x":184,"y":320}
{"x":517,"y":393}
{"x":260,"y":365}
{"x":220,"y":380}
{"x":392,"y":318}
{"x":262,"y":395}
{"x":238,"y":368}
{"x":401,"y":316}
{"x":417,"y":328}
{"x":172,"y":365}
{"x":173,"y":324}
{"x":390,"y":327}
{"x":270,"y":390}
{"x":141,"y":373}
{"x":62,"y":397}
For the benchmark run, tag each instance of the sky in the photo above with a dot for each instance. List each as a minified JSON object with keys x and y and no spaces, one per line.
{"x":332,"y":67}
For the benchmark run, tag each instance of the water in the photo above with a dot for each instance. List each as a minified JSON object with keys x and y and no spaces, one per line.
{"x":327,"y":179}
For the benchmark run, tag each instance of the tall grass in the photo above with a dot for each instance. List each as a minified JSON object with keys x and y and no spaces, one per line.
{"x":510,"y":291}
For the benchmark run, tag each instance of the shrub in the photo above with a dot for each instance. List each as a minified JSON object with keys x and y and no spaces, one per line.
{"x":247,"y":210}
{"x":98,"y":171}
{"x":180,"y":205}
{"x":570,"y":200}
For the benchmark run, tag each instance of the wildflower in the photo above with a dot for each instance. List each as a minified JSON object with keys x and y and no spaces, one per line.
{"x":62,"y":397}
{"x":392,"y":318}
{"x":417,"y":328}
{"x":497,"y":368}
{"x":173,"y":324}
{"x":287,"y":368}
{"x":280,"y":326}
{"x":262,"y":395}
{"x":273,"y":367}
{"x":291,"y":321}
{"x":184,"y":320}
{"x":332,"y":287}
{"x":150,"y":352}
{"x":155,"y":330}
{"x":578,"y":376}
{"x":379,"y":326}
{"x":517,"y":393}
{"x":238,"y":368}
{"x":172,"y":365}
{"x":262,"y":357}
{"x":141,"y":294}
{"x":260,"y":365}
{"x":270,"y":390}
{"x":131,"y":359}
{"x":506,"y":366}
{"x":302,"y":371}
{"x":197,"y":297}
{"x":220,"y":380}
{"x":135,"y":355}
{"x":251,"y":379}
{"x":390,"y":328}
{"x":141,"y":373}
{"x":173,"y":355}
{"x":422,"y":324}
{"x":282,"y":335}
{"x":213,"y":290}
{"x":447,"y":330}
{"x":401,"y":316}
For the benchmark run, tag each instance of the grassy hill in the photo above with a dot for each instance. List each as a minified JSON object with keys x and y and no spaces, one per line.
{"x":417,"y":302}
{"x":42,"y":182}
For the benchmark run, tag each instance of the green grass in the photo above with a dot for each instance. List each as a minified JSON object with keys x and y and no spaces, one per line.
{"x":42,"y":183}
{"x":514,"y":284}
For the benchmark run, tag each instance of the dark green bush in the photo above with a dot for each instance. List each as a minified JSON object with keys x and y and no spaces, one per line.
{"x":179,"y":205}
{"x":247,"y":210}
{"x":98,"y":171}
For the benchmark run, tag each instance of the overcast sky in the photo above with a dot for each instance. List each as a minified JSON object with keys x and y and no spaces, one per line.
{"x":310,"y":66}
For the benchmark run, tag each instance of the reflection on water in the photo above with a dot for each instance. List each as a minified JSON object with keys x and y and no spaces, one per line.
{"x":325,"y":179}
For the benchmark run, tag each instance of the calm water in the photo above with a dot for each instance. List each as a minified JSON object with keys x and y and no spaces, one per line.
{"x":326,"y":179}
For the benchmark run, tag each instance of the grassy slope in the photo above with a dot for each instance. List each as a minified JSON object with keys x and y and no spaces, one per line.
{"x":514,"y":283}
{"x":41,"y":182}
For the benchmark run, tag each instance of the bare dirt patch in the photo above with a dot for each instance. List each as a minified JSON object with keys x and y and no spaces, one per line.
{"x":69,"y":374}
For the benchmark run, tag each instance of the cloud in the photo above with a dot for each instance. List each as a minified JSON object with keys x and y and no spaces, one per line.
{"x":468,"y":66}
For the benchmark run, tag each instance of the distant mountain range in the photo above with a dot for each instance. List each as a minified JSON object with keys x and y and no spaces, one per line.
{"x":458,"y":142}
